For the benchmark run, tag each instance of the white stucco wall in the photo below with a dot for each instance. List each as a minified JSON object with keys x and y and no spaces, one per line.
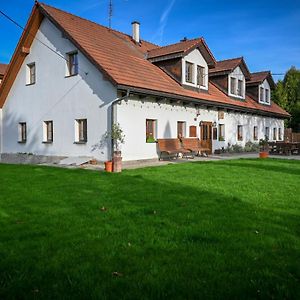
{"x":196,"y":58}
{"x":57,"y":98}
{"x":167,"y":115}
{"x":238,"y":75}
{"x":265,"y":85}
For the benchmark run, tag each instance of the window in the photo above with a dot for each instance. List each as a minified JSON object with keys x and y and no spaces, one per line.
{"x":240,"y":90}
{"x":193,"y":131}
{"x":274,"y":134}
{"x":31,"y":79}
{"x":22,"y":132}
{"x":240,"y":132}
{"x":232,"y":85}
{"x":261,"y":94}
{"x":200,"y":76}
{"x":180,"y":129}
{"x":48,"y":132}
{"x":267,"y":133}
{"x":150,"y":131}
{"x":81,"y":131}
{"x":215,"y":133}
{"x":267,"y":95}
{"x":255,"y":133}
{"x":221,"y":132}
{"x":72,"y":61}
{"x":279,"y":134}
{"x":189,"y":72}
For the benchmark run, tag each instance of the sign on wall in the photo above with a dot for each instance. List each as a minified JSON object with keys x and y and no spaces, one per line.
{"x":220,"y":114}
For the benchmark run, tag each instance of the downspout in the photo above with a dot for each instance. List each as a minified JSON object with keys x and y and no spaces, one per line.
{"x":113,"y":103}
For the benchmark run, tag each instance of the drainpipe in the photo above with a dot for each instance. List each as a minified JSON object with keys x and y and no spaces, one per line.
{"x":113,"y":103}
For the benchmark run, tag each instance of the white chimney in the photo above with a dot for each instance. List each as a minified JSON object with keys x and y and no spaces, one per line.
{"x":136,"y":31}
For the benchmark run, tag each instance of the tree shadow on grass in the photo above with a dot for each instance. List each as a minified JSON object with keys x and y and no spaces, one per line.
{"x":186,"y":241}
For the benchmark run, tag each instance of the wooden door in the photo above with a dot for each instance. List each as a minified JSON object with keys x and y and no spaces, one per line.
{"x":206,"y":135}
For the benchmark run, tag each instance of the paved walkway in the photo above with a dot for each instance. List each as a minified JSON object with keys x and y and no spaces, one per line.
{"x":155,"y":162}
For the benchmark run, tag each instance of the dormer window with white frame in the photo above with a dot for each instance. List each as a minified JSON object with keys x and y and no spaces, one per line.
{"x":189,"y":72}
{"x":236,"y":84}
{"x":264,"y":96}
{"x":201,"y":76}
{"x":195,"y":70}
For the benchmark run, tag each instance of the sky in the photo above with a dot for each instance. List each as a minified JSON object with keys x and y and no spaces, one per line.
{"x":266,"y":33}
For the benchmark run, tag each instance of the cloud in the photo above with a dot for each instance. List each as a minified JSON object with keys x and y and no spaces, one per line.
{"x":159,"y":35}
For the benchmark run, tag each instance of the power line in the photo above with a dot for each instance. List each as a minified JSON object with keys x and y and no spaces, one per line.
{"x":34,"y":37}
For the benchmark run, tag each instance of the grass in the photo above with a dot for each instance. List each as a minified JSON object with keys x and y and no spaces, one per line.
{"x":215,"y":230}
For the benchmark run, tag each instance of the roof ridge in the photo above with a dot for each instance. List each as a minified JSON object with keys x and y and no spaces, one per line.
{"x":260,"y":72}
{"x":228,"y":59}
{"x":93,"y":22}
{"x":181,"y":42}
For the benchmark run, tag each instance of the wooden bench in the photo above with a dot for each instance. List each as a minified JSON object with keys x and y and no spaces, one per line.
{"x":171,"y":147}
{"x":194,"y":145}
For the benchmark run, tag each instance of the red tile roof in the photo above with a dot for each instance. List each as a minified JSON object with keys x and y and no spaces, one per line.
{"x":182,"y":46}
{"x":226,"y":65}
{"x":125,"y":63}
{"x":2,"y":69}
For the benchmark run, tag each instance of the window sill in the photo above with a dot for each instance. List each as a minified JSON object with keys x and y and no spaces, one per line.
{"x":68,"y":76}
{"x":47,"y":142}
{"x":22,"y":142}
{"x":80,"y":143}
{"x":29,"y":84}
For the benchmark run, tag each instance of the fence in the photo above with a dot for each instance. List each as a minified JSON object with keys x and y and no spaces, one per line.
{"x":290,"y":136}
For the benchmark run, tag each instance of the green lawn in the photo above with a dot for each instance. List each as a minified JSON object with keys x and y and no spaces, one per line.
{"x":225,"y":230}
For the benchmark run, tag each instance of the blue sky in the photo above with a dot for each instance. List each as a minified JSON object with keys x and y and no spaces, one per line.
{"x":266,"y":33}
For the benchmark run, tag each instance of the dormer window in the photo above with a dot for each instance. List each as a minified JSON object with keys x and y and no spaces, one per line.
{"x":189,"y":72}
{"x":200,"y":76}
{"x":240,"y":90}
{"x":261,"y":94}
{"x":233,"y":86}
{"x":267,"y":95}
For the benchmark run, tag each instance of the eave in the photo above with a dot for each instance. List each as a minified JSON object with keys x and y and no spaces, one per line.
{"x":195,"y":101}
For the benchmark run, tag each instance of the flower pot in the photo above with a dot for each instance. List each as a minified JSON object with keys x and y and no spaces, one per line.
{"x":117,"y":162}
{"x":263,"y":154}
{"x":108,"y":166}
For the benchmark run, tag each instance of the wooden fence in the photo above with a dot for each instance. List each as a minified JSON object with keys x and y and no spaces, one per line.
{"x":290,"y":136}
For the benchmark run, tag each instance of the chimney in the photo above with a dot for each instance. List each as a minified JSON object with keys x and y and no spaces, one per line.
{"x":136,"y":31}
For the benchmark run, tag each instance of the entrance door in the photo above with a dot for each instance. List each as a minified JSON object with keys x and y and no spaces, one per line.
{"x":206,"y":135}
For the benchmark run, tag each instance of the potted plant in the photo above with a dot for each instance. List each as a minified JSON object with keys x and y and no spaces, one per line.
{"x":117,"y":137}
{"x":264,"y":148}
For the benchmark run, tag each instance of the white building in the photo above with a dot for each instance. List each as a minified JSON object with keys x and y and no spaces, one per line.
{"x":70,"y":79}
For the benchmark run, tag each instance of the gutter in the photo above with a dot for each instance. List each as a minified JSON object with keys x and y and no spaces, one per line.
{"x":113,"y":105}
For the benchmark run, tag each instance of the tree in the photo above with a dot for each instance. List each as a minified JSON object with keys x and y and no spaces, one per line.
{"x":287,"y":95}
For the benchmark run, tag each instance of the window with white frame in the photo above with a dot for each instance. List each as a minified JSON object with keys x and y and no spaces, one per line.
{"x":200,"y":76}
{"x":267,"y":96}
{"x":22,"y":132}
{"x":72,"y":63}
{"x":240,"y":132}
{"x":267,"y":133}
{"x":279,"y":134}
{"x":233,"y":85}
{"x":31,"y":74}
{"x":255,"y":133}
{"x":261,"y":94}
{"x":274,"y":134}
{"x":47,"y":131}
{"x":240,"y":90}
{"x":81,"y":131}
{"x":221,"y":132}
{"x":151,"y":130}
{"x":189,"y":72}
